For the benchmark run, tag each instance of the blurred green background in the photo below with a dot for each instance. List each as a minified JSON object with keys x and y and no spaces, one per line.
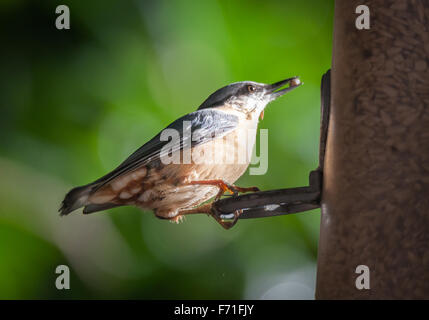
{"x":74,"y":103}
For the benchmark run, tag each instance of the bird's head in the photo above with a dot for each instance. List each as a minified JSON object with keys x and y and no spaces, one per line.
{"x":248,"y":96}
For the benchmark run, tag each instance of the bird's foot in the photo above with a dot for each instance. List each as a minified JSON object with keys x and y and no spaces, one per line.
{"x":235,"y":190}
{"x":249,"y":189}
{"x":178,"y":219}
{"x":222,"y":185}
{"x":225,"y":187}
{"x":210,"y":210}
{"x":228,"y":224}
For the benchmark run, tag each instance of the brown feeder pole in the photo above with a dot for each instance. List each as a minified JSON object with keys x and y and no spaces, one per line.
{"x":375,"y":196}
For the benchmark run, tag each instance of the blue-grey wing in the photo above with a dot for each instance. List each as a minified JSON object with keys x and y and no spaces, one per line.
{"x":204,"y":125}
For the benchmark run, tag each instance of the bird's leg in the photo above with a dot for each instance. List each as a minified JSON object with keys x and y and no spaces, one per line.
{"x":249,"y":189}
{"x":210,"y":210}
{"x":224,"y":187}
{"x":228,"y":224}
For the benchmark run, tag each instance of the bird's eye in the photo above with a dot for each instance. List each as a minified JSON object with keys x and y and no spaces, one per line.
{"x":251,"y":88}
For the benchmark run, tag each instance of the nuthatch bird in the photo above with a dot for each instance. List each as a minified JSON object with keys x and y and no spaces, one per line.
{"x":224,"y":126}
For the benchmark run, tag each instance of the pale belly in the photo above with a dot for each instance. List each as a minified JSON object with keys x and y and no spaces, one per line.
{"x":168,"y":198}
{"x":227,"y":162}
{"x":166,"y":188}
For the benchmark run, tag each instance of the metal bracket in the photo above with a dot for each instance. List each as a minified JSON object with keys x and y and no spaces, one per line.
{"x":284,"y":201}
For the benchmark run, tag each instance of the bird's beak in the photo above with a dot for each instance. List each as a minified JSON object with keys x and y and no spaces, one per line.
{"x":273,"y":91}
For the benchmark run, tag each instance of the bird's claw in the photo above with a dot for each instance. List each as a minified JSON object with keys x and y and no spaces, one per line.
{"x":229,"y":224}
{"x":234,"y":190}
{"x":178,"y":219}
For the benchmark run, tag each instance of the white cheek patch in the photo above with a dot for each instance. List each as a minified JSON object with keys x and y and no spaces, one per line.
{"x":258,"y":107}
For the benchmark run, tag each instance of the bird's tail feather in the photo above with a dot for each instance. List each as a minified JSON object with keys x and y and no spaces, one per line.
{"x":91,"y":208}
{"x":75,"y":199}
